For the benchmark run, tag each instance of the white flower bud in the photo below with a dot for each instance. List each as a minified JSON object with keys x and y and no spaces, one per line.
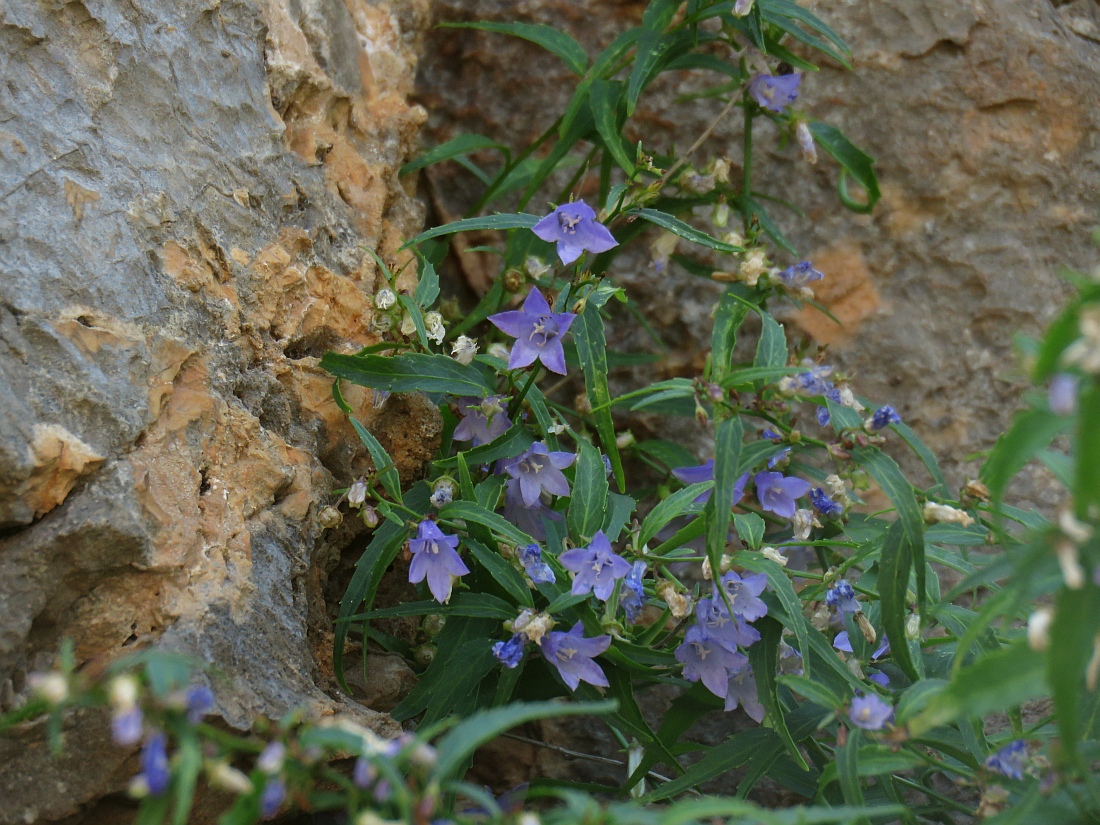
{"x":370,"y":517}
{"x":1072,"y":572}
{"x":721,"y":215}
{"x":53,"y":686}
{"x":754,"y":265}
{"x":912,"y":627}
{"x":742,"y":7}
{"x":499,"y":350}
{"x":721,"y":170}
{"x":943,"y":513}
{"x":224,"y":776}
{"x":802,"y":523}
{"x":1092,"y":672}
{"x":734,"y":238}
{"x":123,"y":693}
{"x":384,"y":298}
{"x":329,"y":517}
{"x":271,"y":758}
{"x":837,"y":490}
{"x":535,"y":267}
{"x":848,"y":398}
{"x":865,"y":627}
{"x":408,"y":325}
{"x":1074,"y":530}
{"x":806,"y":142}
{"x":774,"y":554}
{"x":433,"y":321}
{"x":464,"y":349}
{"x":357,"y":494}
{"x":1038,"y":629}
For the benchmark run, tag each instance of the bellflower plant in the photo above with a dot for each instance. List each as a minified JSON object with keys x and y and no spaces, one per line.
{"x":775,"y":92}
{"x":705,"y":660}
{"x":574,"y":228}
{"x":742,"y":691}
{"x":572,"y":655}
{"x":870,"y":712}
{"x":777,"y":493}
{"x":483,"y":419}
{"x":705,"y":472}
{"x":434,"y":558}
{"x":538,"y":332}
{"x":596,"y":567}
{"x":537,"y":470}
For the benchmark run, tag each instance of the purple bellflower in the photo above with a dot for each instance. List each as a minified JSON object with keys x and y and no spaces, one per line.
{"x":771,"y":435}
{"x":538,"y":469}
{"x":842,"y":596}
{"x":790,"y":660}
{"x":744,"y":595}
{"x":741,"y":690}
{"x":364,"y":773}
{"x":1009,"y":760}
{"x":823,"y":416}
{"x":434,"y":557}
{"x":483,"y":419}
{"x":127,"y":727}
{"x":632,"y":596}
{"x":538,"y":333}
{"x":731,"y":633}
{"x":574,"y":228}
{"x":596,"y":566}
{"x":844,"y":642}
{"x":800,"y":274}
{"x":883,"y":417}
{"x":572,"y":654}
{"x":777,"y":493}
{"x":778,"y":457}
{"x":707,"y":661}
{"x":705,"y":472}
{"x":530,"y":556}
{"x":154,"y":764}
{"x":880,"y":679}
{"x":1062,"y":395}
{"x":509,"y":653}
{"x":870,"y":712}
{"x":775,"y":92}
{"x":200,"y":701}
{"x":527,"y":519}
{"x":825,"y":505}
{"x":272,"y":797}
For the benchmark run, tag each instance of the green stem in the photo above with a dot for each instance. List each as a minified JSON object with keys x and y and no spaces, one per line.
{"x":513,"y":408}
{"x":746,"y":172}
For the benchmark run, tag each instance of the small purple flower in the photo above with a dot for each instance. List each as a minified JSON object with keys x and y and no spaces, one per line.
{"x":271,"y":758}
{"x":790,"y":660}
{"x":775,"y":92}
{"x":883,"y":417}
{"x":1062,"y":395}
{"x":880,"y":679}
{"x":364,"y":773}
{"x":777,"y":493}
{"x":843,"y":597}
{"x":597,"y":567}
{"x":538,"y":469}
{"x":799,"y":275}
{"x":538,"y":333}
{"x":572,"y":654}
{"x":778,"y":457}
{"x":771,"y":435}
{"x":706,"y":660}
{"x":154,"y":764}
{"x":741,"y":690}
{"x":434,"y":557}
{"x":632,"y":596}
{"x":272,"y":798}
{"x":825,"y":505}
{"x":530,"y":556}
{"x":705,"y":472}
{"x":527,"y":519}
{"x":823,"y":416}
{"x":844,"y":642}
{"x":870,"y":712}
{"x":1009,"y":760}
{"x":744,"y":595}
{"x":127,"y":727}
{"x":815,"y":381}
{"x":200,"y":701}
{"x":509,"y":653}
{"x":574,"y":228}
{"x":731,"y":633}
{"x":483,"y":419}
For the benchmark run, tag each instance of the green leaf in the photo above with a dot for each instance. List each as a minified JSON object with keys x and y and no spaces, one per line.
{"x":727,"y":447}
{"x":853,"y":161}
{"x":460,"y":145}
{"x":187,"y":768}
{"x":771,"y":349}
{"x":733,"y":753}
{"x":471,"y":512}
{"x":1072,"y":633}
{"x":474,"y":605}
{"x":764,"y":657}
{"x":619,"y":509}
{"x":751,"y":206}
{"x":875,"y":760}
{"x":557,"y":42}
{"x":384,"y":467}
{"x":676,"y":505}
{"x":1087,"y":488}
{"x":588,"y":500}
{"x":499,"y":222}
{"x":678,"y":227}
{"x":728,"y":318}
{"x":604,"y":101}
{"x":916,"y":698}
{"x":659,"y":13}
{"x":750,"y":528}
{"x":1031,"y":431}
{"x":995,"y":682}
{"x":957,"y":535}
{"x":408,"y":372}
{"x":502,"y":572}
{"x":652,"y":47}
{"x":783,"y":22}
{"x":451,"y":683}
{"x":592,"y":350}
{"x":814,"y":691}
{"x":893,"y":583}
{"x":427,"y":287}
{"x":926,"y":456}
{"x":847,"y":767}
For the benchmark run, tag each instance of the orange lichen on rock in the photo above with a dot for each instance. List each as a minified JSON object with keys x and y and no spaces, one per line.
{"x":60,"y":459}
{"x":847,"y":291}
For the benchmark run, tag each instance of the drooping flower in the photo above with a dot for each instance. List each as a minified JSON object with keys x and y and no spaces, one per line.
{"x":154,"y":764}
{"x":530,"y":556}
{"x":200,"y":701}
{"x":842,"y":596}
{"x":799,"y":275}
{"x":509,"y":653}
{"x":538,"y":332}
{"x":771,"y":435}
{"x":357,"y":494}
{"x":574,"y":228}
{"x":527,"y":519}
{"x":814,"y":381}
{"x":632,"y":596}
{"x":777,"y":493}
{"x":775,"y":92}
{"x":730,"y":632}
{"x":870,"y":712}
{"x":483,"y":419}
{"x":844,"y":642}
{"x":779,"y":458}
{"x":572,"y":655}
{"x":272,"y":797}
{"x":825,"y":505}
{"x":706,"y":660}
{"x":741,"y":690}
{"x":434,"y":557}
{"x":883,"y":417}
{"x":744,"y":595}
{"x":538,"y":469}
{"x":705,"y":472}
{"x":596,"y":567}
{"x":806,"y":142}
{"x":1062,"y":395}
{"x":1009,"y":760}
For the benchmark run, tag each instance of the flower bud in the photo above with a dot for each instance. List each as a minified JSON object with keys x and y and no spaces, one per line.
{"x":53,"y":686}
{"x":934,"y":512}
{"x":1068,"y":560}
{"x":443,"y":492}
{"x":384,"y":298}
{"x":424,"y":654}
{"x":382,"y":323}
{"x":123,"y":692}
{"x":271,"y":759}
{"x":742,"y":7}
{"x":976,"y":490}
{"x":1092,"y":672}
{"x":774,"y":554}
{"x":224,"y":776}
{"x":912,"y":627}
{"x":370,"y":517}
{"x":753,"y":266}
{"x":512,"y":280}
{"x":499,"y":350}
{"x":329,"y":517}
{"x":806,"y":142}
{"x":865,"y":627}
{"x":1038,"y":629}
{"x":581,"y":404}
{"x":721,"y":170}
{"x":721,"y":215}
{"x":357,"y":494}
{"x":408,"y":325}
{"x":464,"y":349}
{"x":624,"y":439}
{"x":535,"y":267}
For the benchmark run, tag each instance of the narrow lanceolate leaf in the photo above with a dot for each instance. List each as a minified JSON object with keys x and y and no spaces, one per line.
{"x":409,"y":372}
{"x":893,"y":584}
{"x":588,"y":499}
{"x":926,"y":456}
{"x":685,"y":231}
{"x":1031,"y":432}
{"x":764,"y":657}
{"x":502,"y":572}
{"x":847,"y":767}
{"x":652,"y":47}
{"x":604,"y":101}
{"x":592,"y":349}
{"x":471,"y":512}
{"x":853,"y":161}
{"x":723,"y":338}
{"x":384,"y":467}
{"x":680,"y":502}
{"x":727,"y":448}
{"x":520,"y":221}
{"x":553,"y":40}
{"x":749,"y":526}
{"x":1088,"y":450}
{"x":814,"y":691}
{"x":455,"y":147}
{"x":771,"y":349}
{"x":1076,"y":623}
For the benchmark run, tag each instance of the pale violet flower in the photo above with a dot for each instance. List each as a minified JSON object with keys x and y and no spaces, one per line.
{"x":572,"y":655}
{"x":775,"y":92}
{"x":1009,"y":760}
{"x":529,"y":519}
{"x":384,"y":298}
{"x":800,"y":275}
{"x":530,"y":556}
{"x":777,"y":493}
{"x":870,"y":712}
{"x":744,"y":593}
{"x":707,"y":661}
{"x":155,"y":770}
{"x":741,"y":691}
{"x":730,"y":632}
{"x":537,"y":469}
{"x":632,"y":597}
{"x":705,"y":472}
{"x":597,"y":567}
{"x":843,"y":642}
{"x":483,"y":419}
{"x":538,"y":332}
{"x":272,"y":797}
{"x":574,"y":228}
{"x":842,"y":596}
{"x":434,"y":558}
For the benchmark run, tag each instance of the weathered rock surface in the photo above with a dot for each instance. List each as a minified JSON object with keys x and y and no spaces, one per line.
{"x":983,"y":118}
{"x":187,"y":193}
